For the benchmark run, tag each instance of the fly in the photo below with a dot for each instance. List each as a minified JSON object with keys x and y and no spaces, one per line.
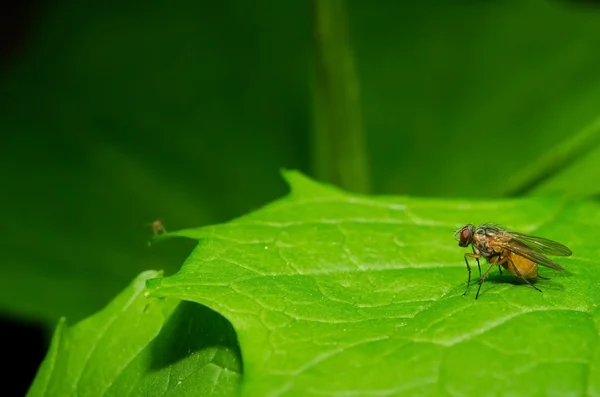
{"x":518,"y":253}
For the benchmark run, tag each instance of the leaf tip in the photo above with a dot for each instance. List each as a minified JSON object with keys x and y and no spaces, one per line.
{"x":152,"y":284}
{"x":149,"y":274}
{"x":302,"y":185}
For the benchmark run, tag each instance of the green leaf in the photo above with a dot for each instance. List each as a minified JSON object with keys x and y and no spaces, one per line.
{"x":138,"y":346}
{"x":338,"y":294}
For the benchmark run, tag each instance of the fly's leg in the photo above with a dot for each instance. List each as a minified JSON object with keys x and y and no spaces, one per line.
{"x":496,"y":260}
{"x":482,"y":279}
{"x":469,"y":276}
{"x":544,"y":278}
{"x":524,"y":279}
{"x":469,"y":269}
{"x":477,"y":259}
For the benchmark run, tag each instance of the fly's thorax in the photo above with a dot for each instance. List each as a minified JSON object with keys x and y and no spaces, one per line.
{"x":481,"y":243}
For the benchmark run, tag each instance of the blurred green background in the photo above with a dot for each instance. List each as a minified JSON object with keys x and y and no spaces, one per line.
{"x":114,"y":114}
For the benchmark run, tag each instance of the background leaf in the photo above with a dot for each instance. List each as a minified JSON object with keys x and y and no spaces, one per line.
{"x":138,"y":346}
{"x":567,"y":169}
{"x":370,"y":289}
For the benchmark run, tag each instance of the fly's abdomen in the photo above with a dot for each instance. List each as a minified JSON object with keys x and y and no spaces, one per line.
{"x":519,"y":265}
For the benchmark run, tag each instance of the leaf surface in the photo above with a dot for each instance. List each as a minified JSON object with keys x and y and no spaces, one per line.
{"x":339,"y":294}
{"x":138,"y":347}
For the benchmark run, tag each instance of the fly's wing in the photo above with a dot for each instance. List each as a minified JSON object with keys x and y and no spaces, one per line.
{"x":542,"y":245}
{"x":535,"y":248}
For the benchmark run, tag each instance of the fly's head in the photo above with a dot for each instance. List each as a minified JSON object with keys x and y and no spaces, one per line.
{"x":465,"y":235}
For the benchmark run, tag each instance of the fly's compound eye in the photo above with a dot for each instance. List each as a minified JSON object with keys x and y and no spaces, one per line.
{"x":466,"y":234}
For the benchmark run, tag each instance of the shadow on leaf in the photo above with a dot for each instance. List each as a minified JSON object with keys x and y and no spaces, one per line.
{"x":196,"y":336}
{"x":543,"y":284}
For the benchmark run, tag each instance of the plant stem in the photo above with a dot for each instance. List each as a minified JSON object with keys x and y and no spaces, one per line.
{"x":340,"y":154}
